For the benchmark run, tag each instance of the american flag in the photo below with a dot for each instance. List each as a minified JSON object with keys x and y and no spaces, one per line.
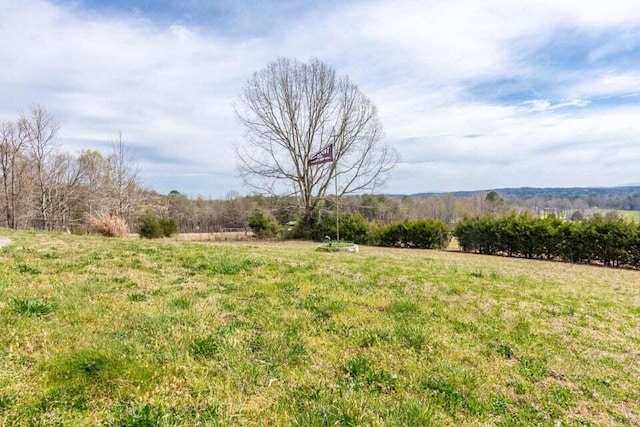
{"x":323,"y":156}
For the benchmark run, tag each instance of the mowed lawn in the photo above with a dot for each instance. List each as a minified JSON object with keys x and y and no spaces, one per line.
{"x":114,"y":332}
{"x":627,"y":214}
{"x":634,"y":215}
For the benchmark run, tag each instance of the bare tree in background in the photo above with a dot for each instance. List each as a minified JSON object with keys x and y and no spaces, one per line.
{"x":94,"y":168}
{"x":291,"y":110}
{"x":65,"y":194}
{"x":40,"y":130}
{"x":44,"y":187}
{"x":13,"y":166}
{"x":123,"y":181}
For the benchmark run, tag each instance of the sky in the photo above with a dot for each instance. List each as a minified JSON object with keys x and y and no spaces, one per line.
{"x":472,"y":94}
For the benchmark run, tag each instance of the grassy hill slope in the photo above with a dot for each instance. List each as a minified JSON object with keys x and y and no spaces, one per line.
{"x":126,"y":332}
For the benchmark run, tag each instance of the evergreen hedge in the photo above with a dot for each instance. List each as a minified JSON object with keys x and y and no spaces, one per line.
{"x":609,"y":240}
{"x":423,"y":233}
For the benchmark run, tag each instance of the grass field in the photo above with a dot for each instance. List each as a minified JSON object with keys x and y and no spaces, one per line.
{"x":627,"y":214}
{"x":111,"y":332}
{"x":635,"y":215}
{"x":630,"y":215}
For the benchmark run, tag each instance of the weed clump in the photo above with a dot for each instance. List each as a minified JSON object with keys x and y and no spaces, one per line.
{"x":78,"y":376}
{"x":31,"y":307}
{"x":359,"y":373}
{"x":505,"y":350}
{"x":181,"y":303}
{"x":7,"y":402}
{"x":137,"y":297}
{"x":141,"y":416}
{"x":205,"y":348}
{"x":411,"y":336}
{"x":403,"y":309}
{"x":87,"y":365}
{"x":108,"y":224}
{"x":24,"y":268}
{"x":412,"y":413}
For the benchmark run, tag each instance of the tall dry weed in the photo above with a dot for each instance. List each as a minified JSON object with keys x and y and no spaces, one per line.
{"x":108,"y":224}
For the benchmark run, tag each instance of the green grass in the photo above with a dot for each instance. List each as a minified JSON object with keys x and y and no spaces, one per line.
{"x":109,"y":332}
{"x":628,"y":214}
{"x":635,"y":215}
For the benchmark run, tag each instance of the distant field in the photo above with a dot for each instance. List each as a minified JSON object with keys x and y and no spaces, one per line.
{"x":635,"y":215}
{"x":566,"y":213}
{"x":131,"y":332}
{"x":631,"y":214}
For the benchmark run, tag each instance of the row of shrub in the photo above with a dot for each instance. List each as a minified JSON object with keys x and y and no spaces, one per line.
{"x":149,"y":226}
{"x":423,"y":233}
{"x":609,"y":240}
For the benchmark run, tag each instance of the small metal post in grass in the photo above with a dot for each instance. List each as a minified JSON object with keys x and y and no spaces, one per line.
{"x":337,"y":215}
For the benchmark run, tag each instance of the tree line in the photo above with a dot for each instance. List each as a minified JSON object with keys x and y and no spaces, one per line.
{"x":46,"y":188}
{"x":202,"y":215}
{"x":562,"y":199}
{"x":609,"y":240}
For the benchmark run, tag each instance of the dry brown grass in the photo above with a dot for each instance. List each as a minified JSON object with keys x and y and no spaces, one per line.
{"x":108,"y":224}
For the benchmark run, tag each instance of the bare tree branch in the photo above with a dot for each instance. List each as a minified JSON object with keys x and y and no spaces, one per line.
{"x":291,"y":110}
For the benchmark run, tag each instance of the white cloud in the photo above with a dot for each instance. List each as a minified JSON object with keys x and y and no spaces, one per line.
{"x":167,"y":88}
{"x":170,"y":88}
{"x":610,"y":83}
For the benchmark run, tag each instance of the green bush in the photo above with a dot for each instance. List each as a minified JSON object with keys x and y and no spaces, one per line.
{"x":262,"y":225}
{"x":152,"y":227}
{"x":149,"y":227}
{"x":303,"y":230}
{"x":353,"y":228}
{"x":169,"y":226}
{"x":422,"y":233}
{"x":326,"y":226}
{"x":392,"y":235}
{"x":427,"y":233}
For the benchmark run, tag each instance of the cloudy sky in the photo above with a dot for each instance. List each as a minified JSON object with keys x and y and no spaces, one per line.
{"x":473,"y":94}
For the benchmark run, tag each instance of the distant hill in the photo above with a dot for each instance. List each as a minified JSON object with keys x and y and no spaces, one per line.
{"x":533,"y":192}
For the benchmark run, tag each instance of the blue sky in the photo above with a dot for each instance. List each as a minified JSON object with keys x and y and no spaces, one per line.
{"x":473,"y":95}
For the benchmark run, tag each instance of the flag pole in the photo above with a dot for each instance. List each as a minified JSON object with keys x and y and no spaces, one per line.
{"x":337,"y":216}
{"x":326,"y":156}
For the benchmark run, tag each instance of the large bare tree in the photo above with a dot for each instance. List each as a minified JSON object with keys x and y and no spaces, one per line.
{"x":13,"y":165}
{"x":41,"y":130}
{"x":123,"y":183}
{"x":94,"y":167}
{"x":292,"y":110}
